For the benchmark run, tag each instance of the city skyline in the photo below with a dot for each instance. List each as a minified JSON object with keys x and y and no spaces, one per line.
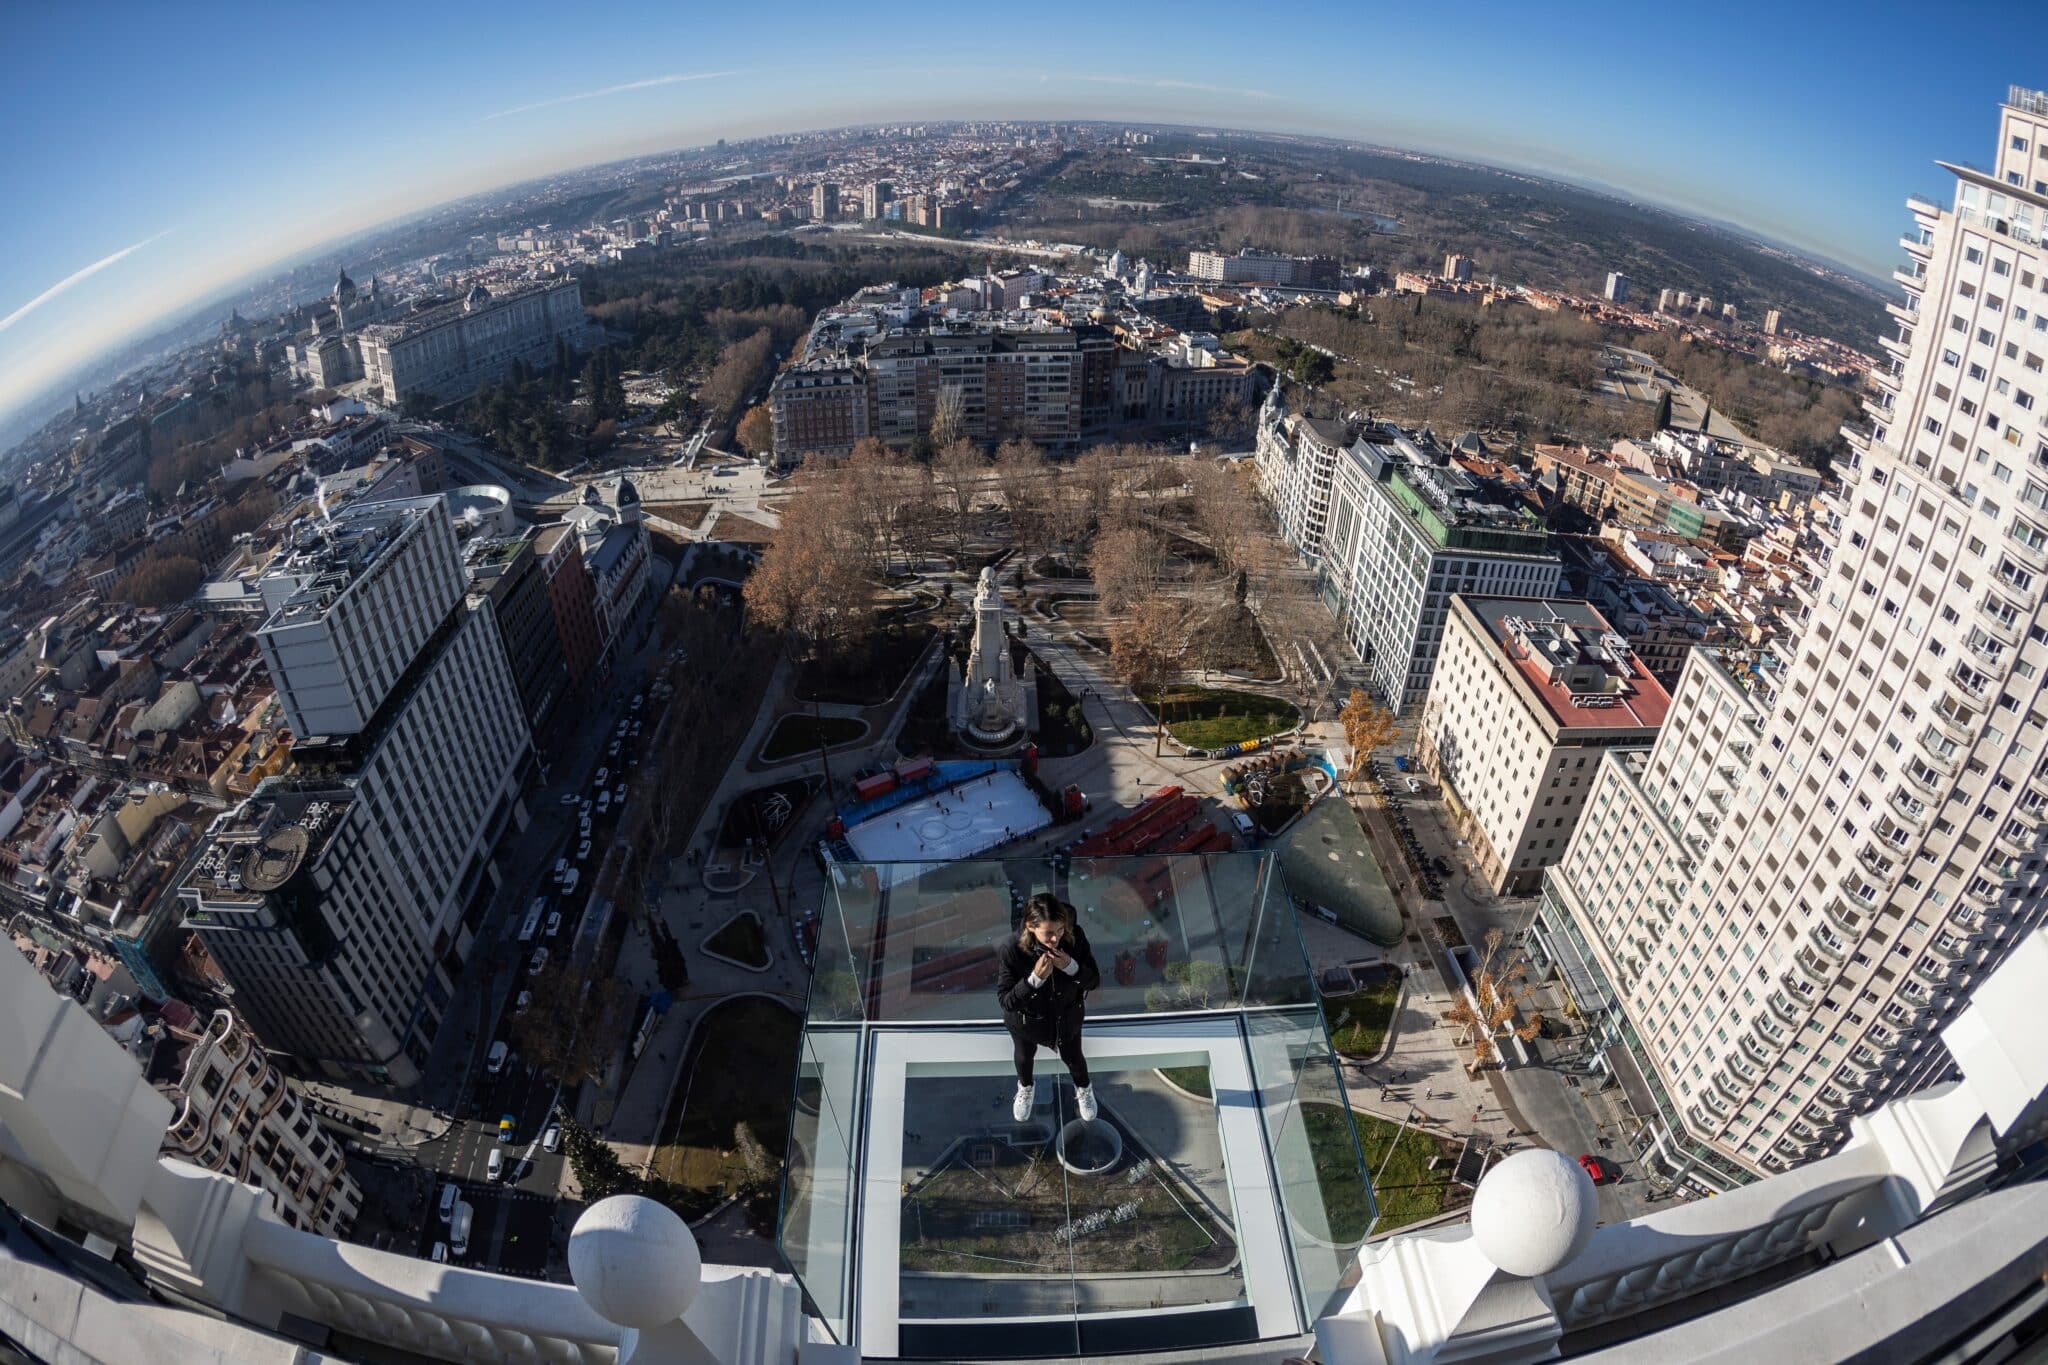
{"x":141,"y":197}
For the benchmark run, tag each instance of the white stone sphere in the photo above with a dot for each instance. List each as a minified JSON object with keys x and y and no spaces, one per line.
{"x":1534,"y":1211}
{"x":634,"y":1261}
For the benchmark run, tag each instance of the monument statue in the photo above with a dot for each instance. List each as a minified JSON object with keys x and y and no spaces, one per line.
{"x":996,"y":700}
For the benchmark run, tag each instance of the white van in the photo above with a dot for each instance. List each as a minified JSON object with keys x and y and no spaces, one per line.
{"x":458,"y":1231}
{"x":449,"y":1195}
{"x":495,"y":1168}
{"x":1242,"y":823}
{"x":494,"y":1061}
{"x":569,"y":882}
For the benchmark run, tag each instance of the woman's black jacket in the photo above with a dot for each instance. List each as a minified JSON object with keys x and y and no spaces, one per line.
{"x":1051,"y":1012}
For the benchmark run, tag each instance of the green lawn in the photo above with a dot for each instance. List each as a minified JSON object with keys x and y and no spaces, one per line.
{"x":742,"y":1065}
{"x":795,"y":736}
{"x":1358,"y":1022}
{"x":741,"y":940}
{"x":869,"y":670}
{"x":1344,"y":1194}
{"x":1407,"y":1190}
{"x":1211,"y":717}
{"x":1193,"y":1079}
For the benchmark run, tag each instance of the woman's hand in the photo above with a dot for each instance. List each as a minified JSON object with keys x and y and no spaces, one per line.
{"x":1041,"y":971}
{"x":1058,"y":957}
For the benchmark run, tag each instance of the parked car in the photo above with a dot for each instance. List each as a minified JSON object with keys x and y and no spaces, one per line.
{"x":604,"y":775}
{"x":612,"y":750}
{"x":619,"y":795}
{"x":551,"y":1140}
{"x":1242,"y":823}
{"x":554,"y":923}
{"x":583,"y":849}
{"x":506,"y":1125}
{"x":458,"y":1229}
{"x":569,"y":881}
{"x":494,"y":1061}
{"x":568,"y":798}
{"x":1596,"y":1169}
{"x":440,"y":1256}
{"x":561,"y":866}
{"x":495,"y":1168}
{"x":525,"y":999}
{"x":604,"y":802}
{"x":451,"y":1194}
{"x":538,"y":962}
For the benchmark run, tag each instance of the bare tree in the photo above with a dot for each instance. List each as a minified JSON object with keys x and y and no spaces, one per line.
{"x":1500,"y":988}
{"x":1021,"y":474}
{"x":739,"y":365}
{"x":572,"y":1027}
{"x":958,"y":470}
{"x":1149,"y":649}
{"x":1367,"y":726}
{"x":949,"y":416}
{"x":812,"y":585}
{"x":1225,"y":512}
{"x":1128,"y":564}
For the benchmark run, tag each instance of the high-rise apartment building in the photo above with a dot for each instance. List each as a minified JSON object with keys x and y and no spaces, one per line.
{"x":1772,"y":319}
{"x":1457,"y":267}
{"x":1664,"y":300}
{"x":875,"y":197}
{"x":1408,"y":527}
{"x":1296,"y":456}
{"x":824,"y":201}
{"x":1617,"y":287}
{"x":1772,"y":913}
{"x":341,"y":899}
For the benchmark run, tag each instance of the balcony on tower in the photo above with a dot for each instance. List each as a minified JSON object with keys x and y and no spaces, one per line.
{"x":1215,"y":1199}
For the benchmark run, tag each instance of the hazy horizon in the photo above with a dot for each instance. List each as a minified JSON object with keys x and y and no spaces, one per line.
{"x":142,"y":196}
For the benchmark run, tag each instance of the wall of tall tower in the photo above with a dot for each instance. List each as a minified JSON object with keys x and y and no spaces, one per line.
{"x":1879,"y":854}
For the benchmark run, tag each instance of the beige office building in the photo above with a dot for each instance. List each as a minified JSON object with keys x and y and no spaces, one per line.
{"x":1528,"y":694}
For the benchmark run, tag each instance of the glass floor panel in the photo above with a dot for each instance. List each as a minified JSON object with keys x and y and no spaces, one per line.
{"x":1217,"y":1197}
{"x":985,"y":1236}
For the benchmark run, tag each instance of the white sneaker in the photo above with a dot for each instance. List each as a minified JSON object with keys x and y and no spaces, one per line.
{"x":1084,"y":1101}
{"x":1020,"y":1108}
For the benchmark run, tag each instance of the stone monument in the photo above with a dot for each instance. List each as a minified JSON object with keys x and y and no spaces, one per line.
{"x":996,"y":701}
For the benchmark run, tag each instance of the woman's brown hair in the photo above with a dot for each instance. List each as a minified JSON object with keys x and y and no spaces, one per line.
{"x":1040,"y":908}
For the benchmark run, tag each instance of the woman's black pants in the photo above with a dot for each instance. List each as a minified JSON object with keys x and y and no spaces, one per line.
{"x":1069,"y":1050}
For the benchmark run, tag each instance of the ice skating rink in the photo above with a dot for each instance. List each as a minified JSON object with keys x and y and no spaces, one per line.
{"x":959,"y":822}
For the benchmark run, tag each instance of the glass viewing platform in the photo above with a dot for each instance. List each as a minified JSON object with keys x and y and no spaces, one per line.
{"x":1217,"y":1198}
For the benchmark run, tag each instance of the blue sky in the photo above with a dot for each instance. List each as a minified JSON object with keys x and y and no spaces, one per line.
{"x":151,"y":154}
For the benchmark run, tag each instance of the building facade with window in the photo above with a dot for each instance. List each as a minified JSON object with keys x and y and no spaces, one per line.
{"x":1408,"y":528}
{"x":342,"y":898}
{"x":237,"y":1116}
{"x":1811,"y":872}
{"x":1528,"y":695}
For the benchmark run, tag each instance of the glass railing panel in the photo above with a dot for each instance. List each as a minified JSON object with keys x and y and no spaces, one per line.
{"x":815,"y":1228}
{"x":1326,"y":1204}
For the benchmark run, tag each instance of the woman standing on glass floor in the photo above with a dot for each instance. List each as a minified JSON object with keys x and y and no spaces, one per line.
{"x":1042,"y":981}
